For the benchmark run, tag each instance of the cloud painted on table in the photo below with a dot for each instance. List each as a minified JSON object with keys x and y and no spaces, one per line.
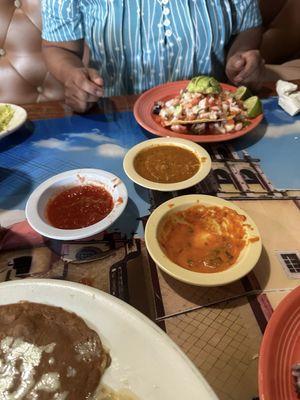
{"x":111,"y":150}
{"x":10,"y":217}
{"x":58,"y":144}
{"x":94,"y":136}
{"x":273,"y":131}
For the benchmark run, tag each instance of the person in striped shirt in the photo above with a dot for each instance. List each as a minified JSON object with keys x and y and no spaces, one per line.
{"x":137,"y":44}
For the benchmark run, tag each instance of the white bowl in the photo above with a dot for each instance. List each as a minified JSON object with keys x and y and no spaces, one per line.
{"x":245,"y":262}
{"x":198,"y":151}
{"x":18,"y":119}
{"x":37,"y":202}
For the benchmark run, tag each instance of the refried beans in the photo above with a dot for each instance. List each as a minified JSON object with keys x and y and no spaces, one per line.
{"x":48,"y":353}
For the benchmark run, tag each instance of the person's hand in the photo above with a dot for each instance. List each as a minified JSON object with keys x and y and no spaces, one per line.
{"x":246,"y":68}
{"x":83,"y":87}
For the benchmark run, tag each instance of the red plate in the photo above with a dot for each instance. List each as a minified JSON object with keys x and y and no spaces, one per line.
{"x":143,"y":114}
{"x":280,"y":349}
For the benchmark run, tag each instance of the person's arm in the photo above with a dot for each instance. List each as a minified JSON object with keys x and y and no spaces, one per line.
{"x":59,"y":56}
{"x":83,"y":86}
{"x":244,"y":64}
{"x":269,"y":9}
{"x":63,"y":42}
{"x":281,"y":40}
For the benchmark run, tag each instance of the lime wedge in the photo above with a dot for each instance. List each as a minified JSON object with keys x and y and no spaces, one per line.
{"x":253,"y":106}
{"x":242,"y":93}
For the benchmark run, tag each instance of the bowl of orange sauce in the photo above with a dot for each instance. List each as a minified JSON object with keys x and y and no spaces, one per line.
{"x":203,"y":240}
{"x":76,"y":204}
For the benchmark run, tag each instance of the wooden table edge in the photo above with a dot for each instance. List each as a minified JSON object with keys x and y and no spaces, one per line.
{"x":57,"y":109}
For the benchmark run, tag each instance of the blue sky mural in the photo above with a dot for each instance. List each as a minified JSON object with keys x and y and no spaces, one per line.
{"x":44,"y":148}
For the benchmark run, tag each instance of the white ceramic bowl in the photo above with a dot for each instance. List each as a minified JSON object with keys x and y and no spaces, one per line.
{"x":18,"y":119}
{"x":37,"y":202}
{"x":200,"y":152}
{"x":247,"y":258}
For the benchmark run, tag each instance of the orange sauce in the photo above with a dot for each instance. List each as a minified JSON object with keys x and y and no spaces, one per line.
{"x":166,"y":163}
{"x":203,"y":239}
{"x":79,"y":207}
{"x":254,"y":239}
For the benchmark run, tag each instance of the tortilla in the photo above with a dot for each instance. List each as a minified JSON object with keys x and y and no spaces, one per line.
{"x":195,"y":121}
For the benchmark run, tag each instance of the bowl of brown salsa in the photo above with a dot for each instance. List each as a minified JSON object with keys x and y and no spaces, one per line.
{"x":167,"y":164}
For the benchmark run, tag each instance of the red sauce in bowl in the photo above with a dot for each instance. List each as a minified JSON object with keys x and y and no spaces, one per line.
{"x":79,"y":207}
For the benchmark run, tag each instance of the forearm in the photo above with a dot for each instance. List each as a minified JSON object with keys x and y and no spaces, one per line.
{"x":245,"y":41}
{"x":82,"y":85}
{"x":60,"y":58}
{"x":282,"y":36}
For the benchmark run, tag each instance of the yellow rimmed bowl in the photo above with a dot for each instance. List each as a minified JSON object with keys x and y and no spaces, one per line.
{"x":198,"y":151}
{"x":244,"y":264}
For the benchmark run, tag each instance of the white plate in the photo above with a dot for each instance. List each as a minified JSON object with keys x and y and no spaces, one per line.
{"x":37,"y":202}
{"x":144,"y":359}
{"x":247,"y":258}
{"x":18,"y":119}
{"x":200,"y":152}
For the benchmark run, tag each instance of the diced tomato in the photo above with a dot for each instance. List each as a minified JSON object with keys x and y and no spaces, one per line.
{"x":192,"y":103}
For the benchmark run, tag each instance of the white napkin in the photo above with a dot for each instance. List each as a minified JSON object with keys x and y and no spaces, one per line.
{"x":288,"y":97}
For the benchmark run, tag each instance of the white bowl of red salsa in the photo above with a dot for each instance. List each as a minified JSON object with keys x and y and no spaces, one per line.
{"x":76,"y":204}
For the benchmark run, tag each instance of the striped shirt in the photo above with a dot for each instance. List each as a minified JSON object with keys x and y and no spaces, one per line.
{"x":137,"y":44}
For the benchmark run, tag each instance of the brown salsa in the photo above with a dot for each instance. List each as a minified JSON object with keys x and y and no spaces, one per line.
{"x":166,"y":164}
{"x":203,"y":239}
{"x":79,"y":207}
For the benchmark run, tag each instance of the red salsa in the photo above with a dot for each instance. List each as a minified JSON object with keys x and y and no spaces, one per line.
{"x":79,"y":207}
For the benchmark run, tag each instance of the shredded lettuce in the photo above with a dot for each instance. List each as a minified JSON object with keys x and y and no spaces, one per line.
{"x":6,"y":114}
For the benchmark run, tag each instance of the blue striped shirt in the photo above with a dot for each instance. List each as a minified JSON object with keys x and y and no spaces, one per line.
{"x":137,"y":44}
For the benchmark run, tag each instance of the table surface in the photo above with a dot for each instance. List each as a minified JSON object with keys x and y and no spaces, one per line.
{"x":220,"y":329}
